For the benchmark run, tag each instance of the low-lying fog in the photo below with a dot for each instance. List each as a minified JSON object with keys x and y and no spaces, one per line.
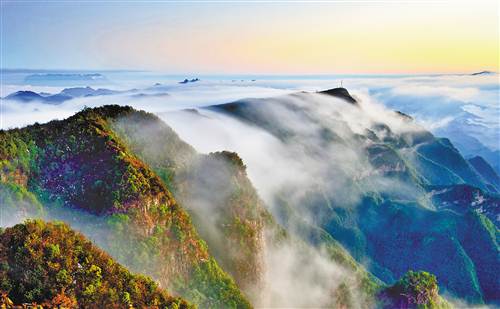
{"x":445,"y":104}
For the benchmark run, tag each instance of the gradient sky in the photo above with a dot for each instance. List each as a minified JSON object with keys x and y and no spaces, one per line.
{"x":317,"y":37}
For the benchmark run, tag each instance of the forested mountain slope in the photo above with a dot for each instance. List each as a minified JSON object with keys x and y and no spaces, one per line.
{"x":384,"y":187}
{"x":124,"y":179}
{"x":51,"y":265}
{"x":84,"y":174}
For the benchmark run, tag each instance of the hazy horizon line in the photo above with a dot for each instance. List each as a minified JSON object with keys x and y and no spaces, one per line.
{"x":166,"y":72}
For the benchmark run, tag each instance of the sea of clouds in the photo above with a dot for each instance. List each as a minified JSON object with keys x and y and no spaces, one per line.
{"x":444,"y":104}
{"x":436,"y":101}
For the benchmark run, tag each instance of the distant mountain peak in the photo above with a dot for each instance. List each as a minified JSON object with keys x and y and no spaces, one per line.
{"x":64,"y":95}
{"x":44,"y":77}
{"x":340,"y":93}
{"x":193,"y":80}
{"x":404,"y":116}
{"x":23,"y":95}
{"x":28,"y":96}
{"x":88,"y":91}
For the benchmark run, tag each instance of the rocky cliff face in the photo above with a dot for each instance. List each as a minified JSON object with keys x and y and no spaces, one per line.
{"x":215,"y":190}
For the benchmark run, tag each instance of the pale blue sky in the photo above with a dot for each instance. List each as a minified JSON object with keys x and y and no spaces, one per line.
{"x":278,"y":37}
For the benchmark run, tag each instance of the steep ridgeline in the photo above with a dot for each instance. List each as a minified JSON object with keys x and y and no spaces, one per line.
{"x":385,"y":188}
{"x":49,"y":264}
{"x":214,"y":188}
{"x":82,"y":173}
{"x":486,"y":171}
{"x":227,"y":211}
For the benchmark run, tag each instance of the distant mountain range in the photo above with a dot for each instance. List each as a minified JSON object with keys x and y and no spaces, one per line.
{"x":483,"y":73}
{"x":77,"y":92}
{"x":28,"y":96}
{"x":193,"y":80}
{"x":64,"y":95}
{"x":43,"y":77}
{"x":470,"y":124}
{"x":468,"y":145}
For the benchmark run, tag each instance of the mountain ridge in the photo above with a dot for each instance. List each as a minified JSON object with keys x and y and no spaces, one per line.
{"x":134,"y":169}
{"x":379,"y":228}
{"x":78,"y":164}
